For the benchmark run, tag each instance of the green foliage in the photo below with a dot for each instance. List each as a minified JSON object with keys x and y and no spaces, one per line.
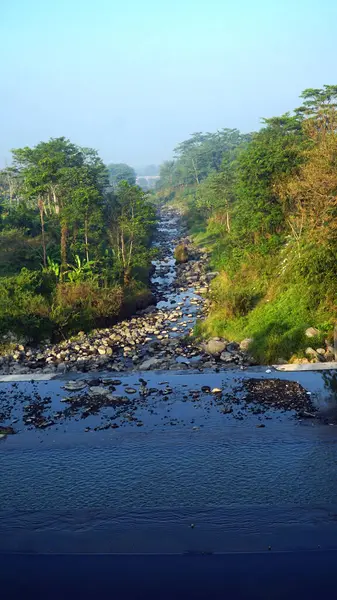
{"x":81,"y":306}
{"x":265,"y":206}
{"x":131,"y":224}
{"x":77,"y":240}
{"x":81,"y":271}
{"x":24,"y":308}
{"x":121,"y":172}
{"x":181,"y":254}
{"x":198,"y":156}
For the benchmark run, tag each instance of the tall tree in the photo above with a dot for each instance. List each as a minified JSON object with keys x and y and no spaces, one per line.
{"x":121,"y":172}
{"x":53,"y":174}
{"x":132,"y":219}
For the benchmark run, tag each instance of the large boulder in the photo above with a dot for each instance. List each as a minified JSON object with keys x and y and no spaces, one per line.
{"x":211,"y":275}
{"x":214,"y":347}
{"x":181,"y":253}
{"x":244,"y":345}
{"x":226,"y":357}
{"x":312,"y":332}
{"x":148,"y":364}
{"x":313,"y":354}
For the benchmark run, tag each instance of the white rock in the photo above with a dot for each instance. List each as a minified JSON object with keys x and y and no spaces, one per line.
{"x":244,"y":345}
{"x":149,"y":364}
{"x":98,"y":390}
{"x":75,"y":386}
{"x":311,"y":332}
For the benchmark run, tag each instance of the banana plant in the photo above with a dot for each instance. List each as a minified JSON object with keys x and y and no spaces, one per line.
{"x":81,"y":271}
{"x":53,"y":267}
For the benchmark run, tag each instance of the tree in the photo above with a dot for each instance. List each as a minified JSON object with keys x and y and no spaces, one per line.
{"x":150,"y":170}
{"x":274,"y":153}
{"x":167,"y":174}
{"x":132,"y":219}
{"x":121,"y":172}
{"x":319,"y":109}
{"x":56,"y":174}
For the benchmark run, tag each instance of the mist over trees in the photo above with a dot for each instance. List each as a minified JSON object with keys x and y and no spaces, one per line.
{"x":121,"y":172}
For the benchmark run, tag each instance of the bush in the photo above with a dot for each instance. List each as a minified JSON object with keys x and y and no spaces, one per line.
{"x":136,"y":297}
{"x":17,"y":251}
{"x":34,"y":307}
{"x":24,"y":309}
{"x":81,"y":306}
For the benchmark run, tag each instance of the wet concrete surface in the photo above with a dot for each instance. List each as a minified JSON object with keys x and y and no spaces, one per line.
{"x":191,"y":478}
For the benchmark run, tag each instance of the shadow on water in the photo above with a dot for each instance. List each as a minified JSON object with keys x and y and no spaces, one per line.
{"x":329,"y":396}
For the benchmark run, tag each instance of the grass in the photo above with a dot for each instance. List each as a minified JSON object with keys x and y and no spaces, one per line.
{"x":277,"y":326}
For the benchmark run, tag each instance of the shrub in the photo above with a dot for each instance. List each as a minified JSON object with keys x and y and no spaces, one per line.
{"x":24,"y":309}
{"x":83,"y":305}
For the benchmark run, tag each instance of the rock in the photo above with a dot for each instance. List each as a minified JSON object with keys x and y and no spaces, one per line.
{"x":216,"y":391}
{"x":313,"y":354}
{"x":4,"y":430}
{"x":260,"y":426}
{"x":206,"y":389}
{"x":233,"y":347}
{"x":130,"y":390}
{"x":227,"y":410}
{"x":117,"y":399}
{"x":98,"y":390}
{"x":280,"y":361}
{"x":304,"y":414}
{"x":211,"y":275}
{"x":148,"y":364}
{"x":214,"y":347}
{"x":75,"y":386}
{"x":226,"y":357}
{"x":244,"y":345}
{"x":312,"y":332}
{"x":320,"y":351}
{"x":101,"y":350}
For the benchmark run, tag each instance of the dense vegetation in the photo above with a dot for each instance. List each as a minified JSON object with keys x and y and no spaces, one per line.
{"x":74,"y":241}
{"x":266,"y":206}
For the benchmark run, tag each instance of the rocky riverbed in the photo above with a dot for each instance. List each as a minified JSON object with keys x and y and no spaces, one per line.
{"x":102,"y":403}
{"x":157,"y":338}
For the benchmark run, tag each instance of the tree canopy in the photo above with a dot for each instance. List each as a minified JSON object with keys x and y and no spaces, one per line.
{"x":121,"y":172}
{"x":59,"y":218}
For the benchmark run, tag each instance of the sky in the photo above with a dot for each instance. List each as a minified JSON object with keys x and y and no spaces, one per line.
{"x":133,"y":78}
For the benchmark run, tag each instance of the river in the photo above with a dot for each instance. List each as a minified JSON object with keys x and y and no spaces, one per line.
{"x":172,"y":467}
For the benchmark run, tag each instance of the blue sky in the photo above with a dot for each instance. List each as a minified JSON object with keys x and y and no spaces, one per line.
{"x":134,"y":78}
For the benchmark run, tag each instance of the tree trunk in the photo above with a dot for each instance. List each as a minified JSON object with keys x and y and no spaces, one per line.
{"x":228,"y":222}
{"x":195,"y":172}
{"x":126,"y":276}
{"x":86,"y":239}
{"x":41,"y":209}
{"x":64,"y":235}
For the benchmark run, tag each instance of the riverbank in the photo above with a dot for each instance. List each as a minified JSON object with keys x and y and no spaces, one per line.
{"x":158,"y":337}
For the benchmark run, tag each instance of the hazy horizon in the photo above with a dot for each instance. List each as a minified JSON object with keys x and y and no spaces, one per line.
{"x":134,"y":79}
